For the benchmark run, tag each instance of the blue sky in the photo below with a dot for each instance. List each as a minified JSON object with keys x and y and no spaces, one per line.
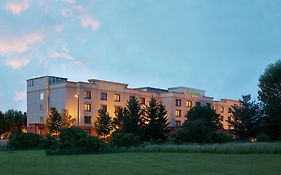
{"x":221,"y":46}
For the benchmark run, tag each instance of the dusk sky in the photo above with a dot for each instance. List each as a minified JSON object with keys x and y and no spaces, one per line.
{"x":221,"y":46}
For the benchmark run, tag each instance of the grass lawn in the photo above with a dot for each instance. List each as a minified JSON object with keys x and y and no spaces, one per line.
{"x":36,"y":162}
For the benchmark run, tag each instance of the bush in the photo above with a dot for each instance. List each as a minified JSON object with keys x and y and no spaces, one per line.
{"x":178,"y":137}
{"x":125,"y":139}
{"x":222,"y":137}
{"x":92,"y":145}
{"x":263,"y":138}
{"x":26,"y":141}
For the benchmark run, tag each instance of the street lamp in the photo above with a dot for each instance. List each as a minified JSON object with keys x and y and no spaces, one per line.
{"x":77,"y":96}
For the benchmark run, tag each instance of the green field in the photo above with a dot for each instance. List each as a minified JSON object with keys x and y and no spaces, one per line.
{"x":36,"y":162}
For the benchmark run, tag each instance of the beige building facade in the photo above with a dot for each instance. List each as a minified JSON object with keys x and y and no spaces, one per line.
{"x":84,"y":99}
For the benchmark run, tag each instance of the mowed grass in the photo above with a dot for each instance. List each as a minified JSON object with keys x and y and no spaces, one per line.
{"x":36,"y":162}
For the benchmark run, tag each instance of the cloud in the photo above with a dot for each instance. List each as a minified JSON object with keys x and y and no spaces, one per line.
{"x":20,"y":96}
{"x":70,"y":1}
{"x":61,"y":55}
{"x":17,"y":63}
{"x":59,"y":27}
{"x":11,"y":45}
{"x":65,"y":12}
{"x":94,"y":24}
{"x":17,"y":7}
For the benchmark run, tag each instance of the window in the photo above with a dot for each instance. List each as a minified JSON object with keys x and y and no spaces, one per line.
{"x":41,"y":120}
{"x":188,"y":103}
{"x":222,"y":109}
{"x":208,"y":104}
{"x":229,"y":110}
{"x":41,"y":107}
{"x":103,"y":96}
{"x":229,"y":127}
{"x":142,"y":100}
{"x":87,"y":95}
{"x":132,"y":96}
{"x":117,"y":97}
{"x":178,"y":102}
{"x":198,"y":103}
{"x":87,"y":107}
{"x":178,"y":123}
{"x":41,"y":94}
{"x":103,"y":107}
{"x":221,"y":118}
{"x":87,"y":119}
{"x":116,"y":108}
{"x":29,"y":82}
{"x":178,"y":113}
{"x":228,"y":118}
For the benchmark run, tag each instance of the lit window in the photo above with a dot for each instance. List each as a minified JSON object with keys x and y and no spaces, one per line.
{"x":103,"y":96}
{"x":198,"y":103}
{"x":87,"y":119}
{"x":178,"y":113}
{"x":103,"y":107}
{"x":142,"y":100}
{"x":188,"y":103}
{"x":117,"y":97}
{"x":41,"y":107}
{"x":178,"y":123}
{"x":41,"y":95}
{"x":87,"y":107}
{"x":222,"y":109}
{"x":116,"y":108}
{"x":178,"y":102}
{"x":87,"y":95}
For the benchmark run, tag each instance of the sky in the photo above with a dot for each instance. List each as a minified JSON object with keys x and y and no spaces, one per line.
{"x":221,"y":46}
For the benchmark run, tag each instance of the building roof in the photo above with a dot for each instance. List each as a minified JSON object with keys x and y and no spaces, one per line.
{"x":151,"y":89}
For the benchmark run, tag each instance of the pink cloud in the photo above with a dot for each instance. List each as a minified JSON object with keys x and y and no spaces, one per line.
{"x":61,"y":55}
{"x":17,"y":7}
{"x":17,"y":63}
{"x":11,"y":45}
{"x":20,"y":96}
{"x":94,"y":24}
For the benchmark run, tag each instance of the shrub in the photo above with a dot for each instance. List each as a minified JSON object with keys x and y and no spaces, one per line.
{"x":92,"y":145}
{"x":222,"y":137}
{"x":26,"y":141}
{"x":263,"y":138}
{"x":125,"y":139}
{"x":178,"y":137}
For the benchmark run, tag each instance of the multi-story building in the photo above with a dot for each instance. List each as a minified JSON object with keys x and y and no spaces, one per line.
{"x":84,"y":99}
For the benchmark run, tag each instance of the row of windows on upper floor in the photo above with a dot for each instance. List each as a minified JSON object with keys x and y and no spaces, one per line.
{"x":188,"y":103}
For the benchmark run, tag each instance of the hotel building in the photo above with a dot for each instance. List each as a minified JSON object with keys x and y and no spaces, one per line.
{"x":84,"y":99}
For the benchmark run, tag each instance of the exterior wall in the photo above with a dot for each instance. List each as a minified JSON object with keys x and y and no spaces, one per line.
{"x":63,"y":94}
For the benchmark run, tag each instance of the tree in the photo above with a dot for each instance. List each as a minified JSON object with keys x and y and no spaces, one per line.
{"x":54,"y":122}
{"x":103,"y":124}
{"x":270,"y":96}
{"x":3,"y":124}
{"x":133,"y":120}
{"x":156,"y":119}
{"x":246,"y":118}
{"x":15,"y":121}
{"x":66,"y":119}
{"x":118,"y":120}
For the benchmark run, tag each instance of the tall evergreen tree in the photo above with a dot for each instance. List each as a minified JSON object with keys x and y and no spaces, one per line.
{"x":156,"y":126}
{"x":54,"y":122}
{"x":3,"y":124}
{"x":15,"y":120}
{"x":103,"y":124}
{"x":66,"y":119}
{"x":118,"y":120}
{"x":133,"y":120}
{"x":246,"y":118}
{"x":270,"y":95}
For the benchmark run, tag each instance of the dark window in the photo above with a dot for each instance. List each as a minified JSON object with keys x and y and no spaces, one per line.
{"x":142,"y":100}
{"x":132,"y":96}
{"x":178,"y":102}
{"x":178,"y":123}
{"x":198,"y":103}
{"x":229,"y":110}
{"x":87,"y":95}
{"x":30,"y":83}
{"x":87,"y":107}
{"x":208,"y":104}
{"x":87,"y":119}
{"x":117,"y":97}
{"x":178,"y":113}
{"x":103,"y":107}
{"x":221,"y":118}
{"x":103,"y":96}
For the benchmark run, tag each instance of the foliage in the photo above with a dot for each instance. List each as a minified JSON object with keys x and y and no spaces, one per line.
{"x":66,"y":119}
{"x":156,"y":119}
{"x":125,"y":139}
{"x":25,"y":141}
{"x":247,"y":118}
{"x":221,"y":137}
{"x":15,"y":121}
{"x":103,"y":124}
{"x":3,"y":124}
{"x":262,"y":137}
{"x":118,"y":120}
{"x":270,"y":95}
{"x":133,"y":121}
{"x":53,"y":122}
